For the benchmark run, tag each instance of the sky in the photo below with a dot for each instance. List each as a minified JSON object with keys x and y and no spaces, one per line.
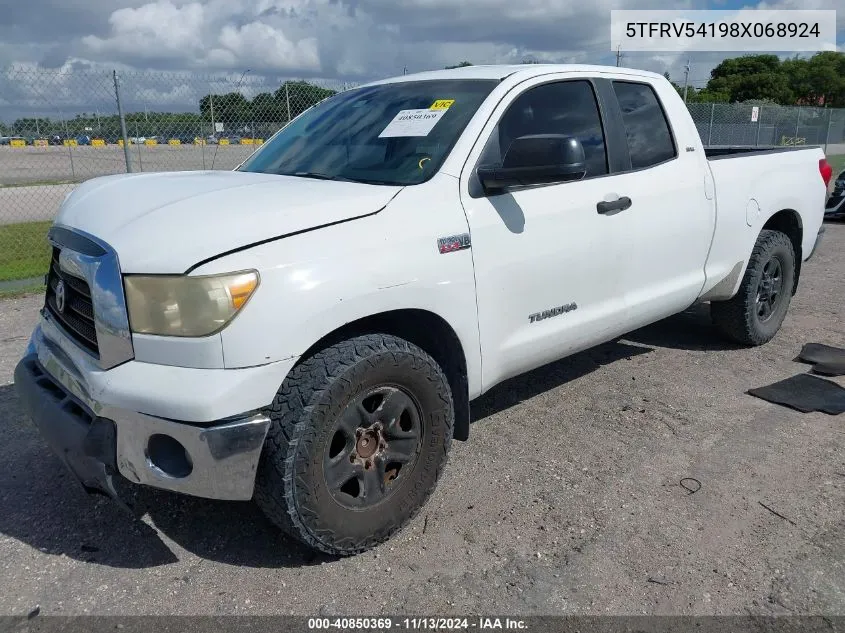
{"x":41,"y":41}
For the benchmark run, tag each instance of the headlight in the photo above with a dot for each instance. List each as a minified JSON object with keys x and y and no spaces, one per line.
{"x":176,"y":305}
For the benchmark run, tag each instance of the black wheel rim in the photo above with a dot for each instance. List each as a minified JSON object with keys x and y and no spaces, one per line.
{"x":373,"y":447}
{"x":769,"y":290}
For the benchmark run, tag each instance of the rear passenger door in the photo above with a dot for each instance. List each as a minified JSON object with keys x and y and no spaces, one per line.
{"x":671,"y":220}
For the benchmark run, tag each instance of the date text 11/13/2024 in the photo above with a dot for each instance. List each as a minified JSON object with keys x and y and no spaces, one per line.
{"x":423,"y":623}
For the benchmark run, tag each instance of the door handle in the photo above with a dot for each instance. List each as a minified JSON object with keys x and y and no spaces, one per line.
{"x":617,"y":205}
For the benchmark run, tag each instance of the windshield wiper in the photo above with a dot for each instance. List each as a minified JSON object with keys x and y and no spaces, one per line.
{"x":319,"y":176}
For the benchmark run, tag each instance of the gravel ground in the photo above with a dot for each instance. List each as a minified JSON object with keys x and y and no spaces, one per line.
{"x":566,"y":499}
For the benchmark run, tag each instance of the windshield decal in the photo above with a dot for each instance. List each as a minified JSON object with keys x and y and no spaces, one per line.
{"x":412,"y":123}
{"x":442,"y":104}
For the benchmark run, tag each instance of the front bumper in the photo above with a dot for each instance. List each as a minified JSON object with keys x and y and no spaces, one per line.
{"x":216,"y":460}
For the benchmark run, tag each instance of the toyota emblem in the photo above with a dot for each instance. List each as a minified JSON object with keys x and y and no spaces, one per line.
{"x":61,"y":296}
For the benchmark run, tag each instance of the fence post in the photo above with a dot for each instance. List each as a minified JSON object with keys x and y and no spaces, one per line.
{"x":287,"y":97}
{"x":797,"y":123}
{"x":126,"y":156}
{"x":138,"y":143}
{"x":69,"y":149}
{"x":759,"y":121}
{"x":827,"y":133}
{"x":710,"y":129}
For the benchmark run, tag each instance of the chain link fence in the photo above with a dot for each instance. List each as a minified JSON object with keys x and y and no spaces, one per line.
{"x":738,"y":124}
{"x":59,"y":128}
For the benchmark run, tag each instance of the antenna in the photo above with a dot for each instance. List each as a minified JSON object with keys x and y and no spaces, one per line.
{"x":237,"y":88}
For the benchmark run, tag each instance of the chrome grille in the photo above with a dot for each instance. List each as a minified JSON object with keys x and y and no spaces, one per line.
{"x":77,"y":317}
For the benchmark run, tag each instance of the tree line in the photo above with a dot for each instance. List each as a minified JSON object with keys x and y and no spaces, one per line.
{"x":818,"y":81}
{"x":262,"y":115}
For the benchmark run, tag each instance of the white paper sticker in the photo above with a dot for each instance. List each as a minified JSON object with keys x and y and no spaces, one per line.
{"x":412,"y":123}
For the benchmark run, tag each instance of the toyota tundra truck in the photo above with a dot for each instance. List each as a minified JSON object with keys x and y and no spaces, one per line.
{"x":309,"y":329}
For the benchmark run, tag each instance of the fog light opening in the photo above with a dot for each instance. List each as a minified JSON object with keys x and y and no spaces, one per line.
{"x":169,"y":456}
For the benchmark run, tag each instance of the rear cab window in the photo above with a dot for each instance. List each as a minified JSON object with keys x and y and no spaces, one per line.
{"x":647,"y":130}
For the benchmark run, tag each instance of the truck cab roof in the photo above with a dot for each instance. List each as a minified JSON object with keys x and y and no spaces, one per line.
{"x":520,"y":71}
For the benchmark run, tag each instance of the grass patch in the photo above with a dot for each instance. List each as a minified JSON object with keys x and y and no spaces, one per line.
{"x":24,"y":251}
{"x":34,"y":289}
{"x":838,"y":163}
{"x":39,"y":183}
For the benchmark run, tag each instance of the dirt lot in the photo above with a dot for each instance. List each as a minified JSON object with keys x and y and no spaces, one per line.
{"x":566,"y":499}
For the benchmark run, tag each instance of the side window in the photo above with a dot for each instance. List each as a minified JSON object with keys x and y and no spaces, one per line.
{"x":565,"y":107}
{"x":649,"y":137}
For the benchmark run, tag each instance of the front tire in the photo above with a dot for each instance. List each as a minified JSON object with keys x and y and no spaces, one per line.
{"x":755,"y":314}
{"x":359,"y":435}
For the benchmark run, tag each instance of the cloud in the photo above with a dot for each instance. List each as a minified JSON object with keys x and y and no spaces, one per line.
{"x":349,"y":40}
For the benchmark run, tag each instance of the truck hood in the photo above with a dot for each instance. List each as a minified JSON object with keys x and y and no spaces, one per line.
{"x":167,"y":222}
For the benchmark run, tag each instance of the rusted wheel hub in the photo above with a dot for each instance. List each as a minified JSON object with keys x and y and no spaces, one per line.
{"x":374,"y":444}
{"x":367,"y":444}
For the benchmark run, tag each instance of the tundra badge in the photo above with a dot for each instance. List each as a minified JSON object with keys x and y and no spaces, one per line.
{"x":553,"y":312}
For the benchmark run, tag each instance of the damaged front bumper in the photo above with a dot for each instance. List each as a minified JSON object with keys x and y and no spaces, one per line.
{"x":97,"y":442}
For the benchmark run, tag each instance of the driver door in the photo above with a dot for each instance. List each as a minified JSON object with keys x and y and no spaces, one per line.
{"x":548,"y":266}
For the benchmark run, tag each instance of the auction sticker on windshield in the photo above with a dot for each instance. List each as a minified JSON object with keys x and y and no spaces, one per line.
{"x":412,"y":123}
{"x":442,"y":104}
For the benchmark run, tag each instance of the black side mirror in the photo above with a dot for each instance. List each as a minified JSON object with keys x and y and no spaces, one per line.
{"x":537,"y":159}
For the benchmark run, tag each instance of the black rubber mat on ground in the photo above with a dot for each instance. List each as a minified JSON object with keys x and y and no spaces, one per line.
{"x":805,"y":393}
{"x":825,"y":359}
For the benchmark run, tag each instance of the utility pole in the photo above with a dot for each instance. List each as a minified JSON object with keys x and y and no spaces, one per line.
{"x":404,"y":70}
{"x":211,"y":103}
{"x":686,"y":80}
{"x":619,"y":54}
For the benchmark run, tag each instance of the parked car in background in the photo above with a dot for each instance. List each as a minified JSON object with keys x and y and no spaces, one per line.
{"x":55,"y":139}
{"x":835,"y":206}
{"x":7,"y":140}
{"x":83,"y":139}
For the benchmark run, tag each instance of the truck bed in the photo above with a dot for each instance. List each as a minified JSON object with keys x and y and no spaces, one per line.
{"x":720,"y":152}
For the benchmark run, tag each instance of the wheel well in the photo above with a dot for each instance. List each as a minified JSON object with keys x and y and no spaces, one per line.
{"x":425,"y":330}
{"x":788,"y":222}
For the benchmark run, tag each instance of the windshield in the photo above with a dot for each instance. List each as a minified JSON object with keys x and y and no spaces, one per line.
{"x":393,"y":134}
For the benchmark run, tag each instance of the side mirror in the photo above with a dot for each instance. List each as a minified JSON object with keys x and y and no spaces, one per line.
{"x":538,"y":159}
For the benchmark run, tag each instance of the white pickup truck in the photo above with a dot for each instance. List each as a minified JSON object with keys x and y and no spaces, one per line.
{"x":309,"y":329}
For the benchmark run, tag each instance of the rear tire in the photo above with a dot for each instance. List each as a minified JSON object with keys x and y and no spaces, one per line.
{"x":359,"y":435}
{"x":755,"y":314}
